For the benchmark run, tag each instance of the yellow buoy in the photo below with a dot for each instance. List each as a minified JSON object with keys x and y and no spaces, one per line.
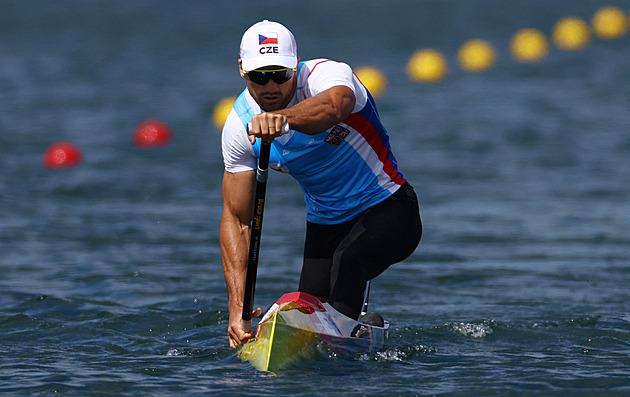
{"x":610,"y":23}
{"x":427,"y":66}
{"x":373,"y":79}
{"x":529,"y":45}
{"x":476,"y":55}
{"x":571,"y":33}
{"x":221,"y":111}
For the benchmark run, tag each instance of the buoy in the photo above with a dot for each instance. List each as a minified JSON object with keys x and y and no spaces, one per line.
{"x":427,"y":66}
{"x":221,"y":111}
{"x":373,"y":79}
{"x":529,"y":45}
{"x":61,"y":155}
{"x":152,"y":133}
{"x":476,"y":56}
{"x":610,"y":23}
{"x":571,"y":33}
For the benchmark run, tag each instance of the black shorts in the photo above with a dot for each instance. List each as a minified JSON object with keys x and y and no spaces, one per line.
{"x":340,"y":259}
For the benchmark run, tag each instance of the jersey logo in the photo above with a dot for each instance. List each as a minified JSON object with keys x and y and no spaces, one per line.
{"x":337,"y":135}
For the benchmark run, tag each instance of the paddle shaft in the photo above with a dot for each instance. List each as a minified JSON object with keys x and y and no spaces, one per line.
{"x":256,"y":229}
{"x":256,"y":233}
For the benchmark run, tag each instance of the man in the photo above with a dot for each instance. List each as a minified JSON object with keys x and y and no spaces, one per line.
{"x":362,"y":215}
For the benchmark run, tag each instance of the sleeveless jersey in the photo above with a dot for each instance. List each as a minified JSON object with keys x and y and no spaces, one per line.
{"x":342,"y":171}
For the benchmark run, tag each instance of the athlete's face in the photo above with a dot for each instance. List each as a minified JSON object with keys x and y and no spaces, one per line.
{"x":271,"y":96}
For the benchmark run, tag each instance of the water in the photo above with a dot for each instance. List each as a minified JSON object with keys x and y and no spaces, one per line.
{"x":111,"y":280}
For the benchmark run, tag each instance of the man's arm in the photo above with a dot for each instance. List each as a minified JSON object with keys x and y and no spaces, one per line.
{"x":319,"y":113}
{"x":310,"y":116}
{"x":238,"y":198}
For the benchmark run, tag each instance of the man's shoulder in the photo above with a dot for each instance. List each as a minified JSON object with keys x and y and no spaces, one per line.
{"x":314,"y":61}
{"x":318,"y":75}
{"x":320,"y":63}
{"x":322,"y":70}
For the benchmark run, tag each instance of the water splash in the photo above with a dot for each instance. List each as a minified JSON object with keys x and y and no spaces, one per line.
{"x":402,"y":354}
{"x":472,"y":330}
{"x":174,"y":352}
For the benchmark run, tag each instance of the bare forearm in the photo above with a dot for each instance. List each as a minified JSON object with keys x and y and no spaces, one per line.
{"x":319,"y":113}
{"x":237,"y":214}
{"x":234,"y":251}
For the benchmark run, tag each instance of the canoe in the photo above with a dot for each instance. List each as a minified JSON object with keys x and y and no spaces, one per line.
{"x":298,"y":325}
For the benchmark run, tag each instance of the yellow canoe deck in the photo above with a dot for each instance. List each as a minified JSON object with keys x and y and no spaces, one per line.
{"x":293,"y":327}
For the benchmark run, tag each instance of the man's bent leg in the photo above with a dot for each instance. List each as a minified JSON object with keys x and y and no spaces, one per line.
{"x":385,"y":234}
{"x":319,"y":248}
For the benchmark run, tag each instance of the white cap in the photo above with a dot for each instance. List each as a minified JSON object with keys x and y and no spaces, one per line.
{"x":268,"y":44}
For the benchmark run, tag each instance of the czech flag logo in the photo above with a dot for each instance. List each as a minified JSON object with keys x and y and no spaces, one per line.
{"x":268,"y":38}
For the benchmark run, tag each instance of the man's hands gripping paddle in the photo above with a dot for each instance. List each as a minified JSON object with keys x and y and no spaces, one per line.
{"x":241,"y":331}
{"x":267,"y":126}
{"x":236,"y":334}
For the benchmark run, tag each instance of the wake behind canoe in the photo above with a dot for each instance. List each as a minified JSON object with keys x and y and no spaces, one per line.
{"x":294,"y":326}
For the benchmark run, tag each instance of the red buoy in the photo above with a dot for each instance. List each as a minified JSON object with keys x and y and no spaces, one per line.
{"x":152,"y":133}
{"x":61,"y":154}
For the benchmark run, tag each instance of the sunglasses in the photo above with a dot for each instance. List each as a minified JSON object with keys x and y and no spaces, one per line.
{"x":262,"y":77}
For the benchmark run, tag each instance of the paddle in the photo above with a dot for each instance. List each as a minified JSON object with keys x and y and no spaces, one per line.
{"x":256,"y":231}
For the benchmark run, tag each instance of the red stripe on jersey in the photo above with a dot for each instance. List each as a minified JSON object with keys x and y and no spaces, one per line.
{"x":369,"y":133}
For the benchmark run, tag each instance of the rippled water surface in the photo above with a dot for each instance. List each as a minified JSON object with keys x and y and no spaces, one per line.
{"x":110,"y":272}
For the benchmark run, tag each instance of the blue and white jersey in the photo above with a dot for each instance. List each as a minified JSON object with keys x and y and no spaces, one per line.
{"x":342,"y":171}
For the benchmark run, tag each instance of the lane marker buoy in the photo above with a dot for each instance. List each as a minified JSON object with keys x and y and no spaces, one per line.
{"x":62,"y":155}
{"x":152,"y":132}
